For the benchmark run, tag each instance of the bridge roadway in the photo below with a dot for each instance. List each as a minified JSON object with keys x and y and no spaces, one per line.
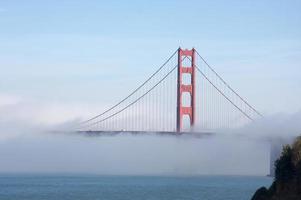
{"x":170,"y":133}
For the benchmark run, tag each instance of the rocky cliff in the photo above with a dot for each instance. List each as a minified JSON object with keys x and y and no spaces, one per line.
{"x":287,"y":181}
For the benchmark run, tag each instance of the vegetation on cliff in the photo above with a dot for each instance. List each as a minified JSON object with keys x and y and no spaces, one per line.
{"x":287,"y":182}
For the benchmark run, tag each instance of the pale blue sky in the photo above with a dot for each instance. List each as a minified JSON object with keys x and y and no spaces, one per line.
{"x":73,"y":51}
{"x":65,"y":59}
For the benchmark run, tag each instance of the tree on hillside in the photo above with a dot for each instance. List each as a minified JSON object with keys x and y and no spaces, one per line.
{"x":284,"y":168}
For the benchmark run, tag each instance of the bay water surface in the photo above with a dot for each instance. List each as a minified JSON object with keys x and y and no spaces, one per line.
{"x":96,"y":187}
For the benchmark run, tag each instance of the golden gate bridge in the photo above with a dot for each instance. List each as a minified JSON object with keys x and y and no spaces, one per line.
{"x":185,"y":94}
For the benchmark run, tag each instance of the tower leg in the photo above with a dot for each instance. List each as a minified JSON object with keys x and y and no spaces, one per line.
{"x":181,"y":88}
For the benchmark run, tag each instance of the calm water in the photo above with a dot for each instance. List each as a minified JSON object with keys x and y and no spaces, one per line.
{"x":57,"y":187}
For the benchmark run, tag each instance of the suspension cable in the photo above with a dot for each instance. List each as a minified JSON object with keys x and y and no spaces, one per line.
{"x":244,"y":113}
{"x":137,"y":98}
{"x":223,"y":94}
{"x":256,"y":111}
{"x":111,"y":108}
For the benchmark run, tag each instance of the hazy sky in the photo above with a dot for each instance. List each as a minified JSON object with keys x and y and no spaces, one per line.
{"x":74,"y":52}
{"x":60,"y":60}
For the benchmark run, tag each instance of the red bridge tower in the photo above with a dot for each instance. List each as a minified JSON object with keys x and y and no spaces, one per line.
{"x":181,"y":88}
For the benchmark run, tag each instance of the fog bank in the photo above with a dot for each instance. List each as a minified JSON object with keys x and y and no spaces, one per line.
{"x":28,"y":146}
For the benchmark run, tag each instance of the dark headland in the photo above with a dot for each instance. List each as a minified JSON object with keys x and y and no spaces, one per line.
{"x":287,"y":181}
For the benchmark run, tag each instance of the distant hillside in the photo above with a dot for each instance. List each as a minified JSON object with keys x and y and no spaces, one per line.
{"x":287,"y":182}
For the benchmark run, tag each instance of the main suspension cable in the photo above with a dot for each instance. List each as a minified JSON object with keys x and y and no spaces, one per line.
{"x":138,"y":88}
{"x":256,"y":111}
{"x":137,"y":98}
{"x":244,"y":113}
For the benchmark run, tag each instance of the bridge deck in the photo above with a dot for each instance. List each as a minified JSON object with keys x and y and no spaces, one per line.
{"x":170,"y":133}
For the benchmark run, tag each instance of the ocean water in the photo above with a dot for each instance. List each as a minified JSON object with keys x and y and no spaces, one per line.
{"x":89,"y":187}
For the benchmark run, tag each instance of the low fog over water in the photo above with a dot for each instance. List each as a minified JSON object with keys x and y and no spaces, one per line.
{"x":31,"y":148}
{"x":131,"y":154}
